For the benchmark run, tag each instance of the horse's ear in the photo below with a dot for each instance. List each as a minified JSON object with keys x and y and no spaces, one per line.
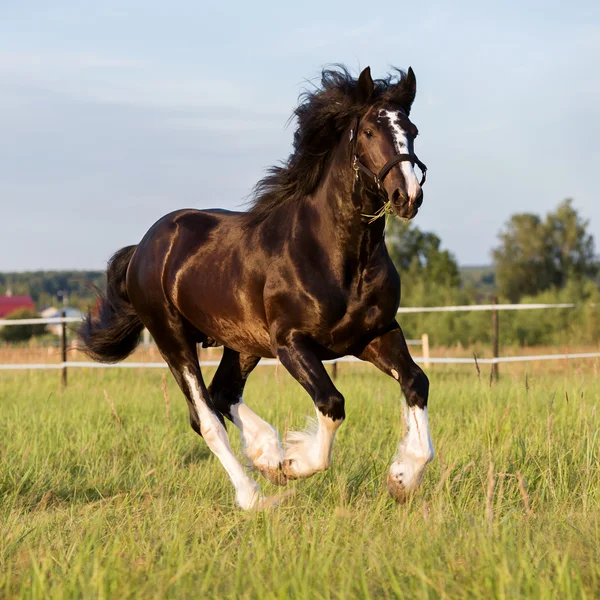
{"x":365,"y":86}
{"x":409,"y":86}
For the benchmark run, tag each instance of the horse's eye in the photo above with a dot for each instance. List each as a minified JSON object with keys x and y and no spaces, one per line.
{"x":369,"y":133}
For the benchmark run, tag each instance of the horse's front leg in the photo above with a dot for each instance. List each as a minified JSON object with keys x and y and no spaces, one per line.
{"x":308,"y":452}
{"x":389,"y":353}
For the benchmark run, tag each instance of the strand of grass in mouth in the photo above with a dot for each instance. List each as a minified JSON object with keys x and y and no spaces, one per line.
{"x":385,"y":210}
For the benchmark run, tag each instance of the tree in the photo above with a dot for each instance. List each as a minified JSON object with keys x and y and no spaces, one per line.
{"x":418,"y":253}
{"x":571,"y":246}
{"x":21,"y":333}
{"x":536,"y":255}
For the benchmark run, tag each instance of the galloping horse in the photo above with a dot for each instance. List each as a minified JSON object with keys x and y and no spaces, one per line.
{"x":303,"y":276}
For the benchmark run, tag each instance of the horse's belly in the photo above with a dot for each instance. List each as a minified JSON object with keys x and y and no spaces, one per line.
{"x":244,"y":337}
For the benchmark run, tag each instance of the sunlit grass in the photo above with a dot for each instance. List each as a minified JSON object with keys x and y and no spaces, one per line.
{"x":90,"y":507}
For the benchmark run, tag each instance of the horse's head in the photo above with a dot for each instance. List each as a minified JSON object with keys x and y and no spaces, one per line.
{"x":384,"y":144}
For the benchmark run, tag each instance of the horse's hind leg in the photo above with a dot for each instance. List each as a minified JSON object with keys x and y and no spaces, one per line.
{"x":177,"y":344}
{"x":261,"y":440}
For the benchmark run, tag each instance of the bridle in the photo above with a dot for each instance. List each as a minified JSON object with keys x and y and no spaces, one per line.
{"x":378,"y":178}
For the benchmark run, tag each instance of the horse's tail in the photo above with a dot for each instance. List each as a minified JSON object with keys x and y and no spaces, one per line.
{"x":112,"y":332}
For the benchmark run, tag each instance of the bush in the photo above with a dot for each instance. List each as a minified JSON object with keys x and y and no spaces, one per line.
{"x":550,"y":327}
{"x":21,"y":333}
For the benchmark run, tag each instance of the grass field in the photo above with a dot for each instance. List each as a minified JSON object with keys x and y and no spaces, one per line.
{"x":96,"y":506}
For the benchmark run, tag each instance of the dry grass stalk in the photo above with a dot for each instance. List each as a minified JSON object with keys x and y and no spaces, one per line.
{"x":500,"y":490}
{"x":166,"y":397}
{"x":489,"y":500}
{"x":113,"y":408}
{"x":426,"y":511}
{"x":524,"y":494}
{"x":43,"y":503}
{"x":460,"y":475}
{"x":504,"y":415}
{"x":445,"y":476}
{"x":477,"y":367}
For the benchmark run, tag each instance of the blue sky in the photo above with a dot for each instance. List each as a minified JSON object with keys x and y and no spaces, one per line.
{"x":115,"y":113}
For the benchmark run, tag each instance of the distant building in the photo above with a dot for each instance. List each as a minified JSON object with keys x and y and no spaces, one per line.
{"x":9,"y":304}
{"x":56,"y":313}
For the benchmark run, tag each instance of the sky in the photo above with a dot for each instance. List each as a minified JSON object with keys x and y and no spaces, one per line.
{"x":115,"y":113}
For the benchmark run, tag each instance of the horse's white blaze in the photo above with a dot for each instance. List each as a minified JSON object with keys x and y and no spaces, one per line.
{"x":309,"y":451}
{"x":261,"y":440}
{"x":401,"y":146}
{"x":247,"y":492}
{"x":415,"y":451}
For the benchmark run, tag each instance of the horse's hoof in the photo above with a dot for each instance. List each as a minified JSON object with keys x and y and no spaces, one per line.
{"x":397,"y":489}
{"x":275,"y":475}
{"x":288,"y":469}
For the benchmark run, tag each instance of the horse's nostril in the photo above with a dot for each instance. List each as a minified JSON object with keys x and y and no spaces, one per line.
{"x":396,"y":195}
{"x":419,"y":199}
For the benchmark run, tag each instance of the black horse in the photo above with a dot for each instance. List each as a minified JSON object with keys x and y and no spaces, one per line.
{"x":303,"y":276}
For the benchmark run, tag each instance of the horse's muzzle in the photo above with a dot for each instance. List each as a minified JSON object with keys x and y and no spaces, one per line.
{"x":406,"y":207}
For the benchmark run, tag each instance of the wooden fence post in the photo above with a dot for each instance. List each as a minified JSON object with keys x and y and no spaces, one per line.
{"x":495,"y":339}
{"x":63,"y":344}
{"x":425,"y":346}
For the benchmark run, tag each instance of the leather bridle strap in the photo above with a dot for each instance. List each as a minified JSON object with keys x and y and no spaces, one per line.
{"x":413,"y":158}
{"x":378,"y":178}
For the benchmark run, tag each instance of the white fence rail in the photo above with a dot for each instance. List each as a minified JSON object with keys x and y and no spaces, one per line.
{"x":424,"y":342}
{"x":40,"y":321}
{"x":480,"y":307}
{"x":402,"y":310}
{"x":271,"y":362}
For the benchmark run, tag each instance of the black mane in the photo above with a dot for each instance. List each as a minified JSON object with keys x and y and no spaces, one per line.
{"x":323,"y":115}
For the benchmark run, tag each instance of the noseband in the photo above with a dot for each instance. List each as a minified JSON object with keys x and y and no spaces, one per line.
{"x":378,"y":178}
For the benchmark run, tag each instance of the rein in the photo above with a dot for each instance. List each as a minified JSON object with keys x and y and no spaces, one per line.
{"x":378,"y":178}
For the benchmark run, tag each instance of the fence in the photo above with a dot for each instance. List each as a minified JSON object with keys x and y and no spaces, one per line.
{"x":425,"y":359}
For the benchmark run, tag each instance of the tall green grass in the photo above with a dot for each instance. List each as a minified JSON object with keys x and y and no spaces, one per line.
{"x":92,"y":506}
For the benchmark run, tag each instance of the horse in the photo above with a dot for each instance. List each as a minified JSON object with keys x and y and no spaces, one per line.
{"x":302,"y":276}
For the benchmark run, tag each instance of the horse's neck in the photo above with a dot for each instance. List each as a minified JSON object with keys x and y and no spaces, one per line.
{"x":342,"y":204}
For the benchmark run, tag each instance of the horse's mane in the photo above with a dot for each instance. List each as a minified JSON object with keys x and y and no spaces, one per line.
{"x":323,"y":114}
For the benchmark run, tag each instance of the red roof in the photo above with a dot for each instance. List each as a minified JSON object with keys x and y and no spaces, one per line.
{"x":9,"y":304}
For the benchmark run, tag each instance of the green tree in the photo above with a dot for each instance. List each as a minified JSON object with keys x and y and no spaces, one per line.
{"x":570,"y":244}
{"x":21,"y":333}
{"x":535,"y":255}
{"x":419,"y":253}
{"x":44,"y":286}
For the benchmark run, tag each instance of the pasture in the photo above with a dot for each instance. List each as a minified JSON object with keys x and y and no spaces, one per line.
{"x":129,"y":503}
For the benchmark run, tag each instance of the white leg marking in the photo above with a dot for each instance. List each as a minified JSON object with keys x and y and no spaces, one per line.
{"x":247,"y":492}
{"x":308,"y":452}
{"x":414,"y":453}
{"x":261,"y":442}
{"x":401,"y":144}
